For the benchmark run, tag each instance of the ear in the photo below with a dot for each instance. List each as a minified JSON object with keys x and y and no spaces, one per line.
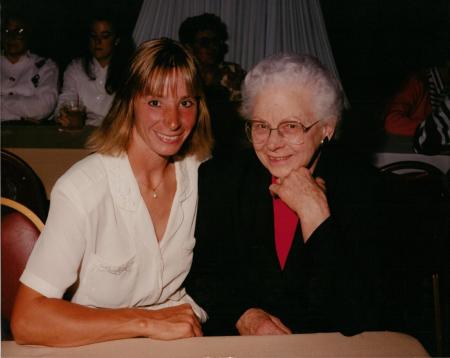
{"x":116,"y":42}
{"x":329,"y":127}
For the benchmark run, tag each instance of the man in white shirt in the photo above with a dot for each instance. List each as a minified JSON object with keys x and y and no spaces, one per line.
{"x":29,"y":83}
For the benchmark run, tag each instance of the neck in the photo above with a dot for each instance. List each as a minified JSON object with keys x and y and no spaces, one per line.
{"x":14,"y":58}
{"x":104,"y":61}
{"x":148,"y":167}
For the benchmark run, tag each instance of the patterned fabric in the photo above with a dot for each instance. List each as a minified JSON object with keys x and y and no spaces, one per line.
{"x":433,"y":134}
{"x":231,"y":75}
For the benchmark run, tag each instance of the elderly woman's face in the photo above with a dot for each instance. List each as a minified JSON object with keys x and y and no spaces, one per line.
{"x":276,"y":104}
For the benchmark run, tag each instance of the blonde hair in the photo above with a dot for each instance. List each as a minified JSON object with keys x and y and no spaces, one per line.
{"x":156,"y":66}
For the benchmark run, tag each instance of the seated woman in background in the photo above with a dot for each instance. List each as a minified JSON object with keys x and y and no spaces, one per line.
{"x":28,"y":82}
{"x":92,"y":80}
{"x":420,"y":96}
{"x":288,"y":232}
{"x":207,"y":35}
{"x":120,"y":229}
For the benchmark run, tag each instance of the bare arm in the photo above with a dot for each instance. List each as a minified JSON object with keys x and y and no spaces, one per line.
{"x":37,"y":319}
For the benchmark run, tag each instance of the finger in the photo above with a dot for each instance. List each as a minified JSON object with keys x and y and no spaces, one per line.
{"x":274,"y":190}
{"x":269,"y":327}
{"x":321,"y":183}
{"x":280,"y":325}
{"x":197,"y":330}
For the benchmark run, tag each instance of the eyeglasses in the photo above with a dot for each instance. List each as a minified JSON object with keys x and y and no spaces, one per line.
{"x":18,"y":33}
{"x":294,"y":132}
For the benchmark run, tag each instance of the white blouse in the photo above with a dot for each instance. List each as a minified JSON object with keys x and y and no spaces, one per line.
{"x":91,"y":93}
{"x":100,"y":233}
{"x":28,"y":88}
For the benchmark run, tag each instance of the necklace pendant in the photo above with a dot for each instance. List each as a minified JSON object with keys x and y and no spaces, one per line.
{"x":154,"y":194}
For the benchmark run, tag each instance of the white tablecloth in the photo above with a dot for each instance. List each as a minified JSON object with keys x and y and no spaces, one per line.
{"x":367,"y":344}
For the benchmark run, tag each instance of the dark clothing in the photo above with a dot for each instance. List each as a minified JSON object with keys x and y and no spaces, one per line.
{"x":331,"y":283}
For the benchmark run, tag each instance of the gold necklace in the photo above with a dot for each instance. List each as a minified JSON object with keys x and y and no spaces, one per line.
{"x":154,"y":189}
{"x":155,"y":194}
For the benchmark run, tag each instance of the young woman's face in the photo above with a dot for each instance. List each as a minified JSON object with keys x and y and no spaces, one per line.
{"x":163,"y":123}
{"x":102,"y":40}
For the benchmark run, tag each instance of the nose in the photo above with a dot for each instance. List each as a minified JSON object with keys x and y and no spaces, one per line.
{"x":275,"y":140}
{"x":172,"y":118}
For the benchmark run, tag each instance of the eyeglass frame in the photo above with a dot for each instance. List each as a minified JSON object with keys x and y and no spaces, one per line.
{"x":16,"y":33}
{"x":249,"y":122}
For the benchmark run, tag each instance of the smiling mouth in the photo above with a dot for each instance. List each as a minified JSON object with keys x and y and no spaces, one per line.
{"x":279,"y":159}
{"x":168,"y":138}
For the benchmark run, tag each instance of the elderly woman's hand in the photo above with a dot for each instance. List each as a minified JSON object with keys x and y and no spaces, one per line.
{"x":306,"y":196}
{"x":256,"y":322}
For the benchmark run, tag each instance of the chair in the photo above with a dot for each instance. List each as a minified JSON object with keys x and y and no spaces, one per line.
{"x":20,"y":228}
{"x":20,"y":183}
{"x":424,"y":190}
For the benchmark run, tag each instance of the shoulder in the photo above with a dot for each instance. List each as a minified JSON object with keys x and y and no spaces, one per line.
{"x":188,"y":167}
{"x":83,"y":174}
{"x":348,"y":173}
{"x":229,"y":169}
{"x":96,"y":178}
{"x":75,"y":65}
{"x":41,"y":63}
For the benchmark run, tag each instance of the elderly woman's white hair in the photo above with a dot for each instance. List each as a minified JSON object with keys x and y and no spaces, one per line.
{"x":301,"y":71}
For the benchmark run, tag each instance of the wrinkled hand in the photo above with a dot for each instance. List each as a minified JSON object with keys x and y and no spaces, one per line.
{"x":174,"y":323}
{"x":306,"y":196}
{"x":257,"y":322}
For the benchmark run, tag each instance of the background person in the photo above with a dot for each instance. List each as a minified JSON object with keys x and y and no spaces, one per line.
{"x":121,"y":221}
{"x":207,"y":35}
{"x":423,"y":94}
{"x":94,"y":78}
{"x":288,"y":232}
{"x":28,"y":82}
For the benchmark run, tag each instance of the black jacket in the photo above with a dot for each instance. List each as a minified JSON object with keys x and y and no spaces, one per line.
{"x":333,"y":282}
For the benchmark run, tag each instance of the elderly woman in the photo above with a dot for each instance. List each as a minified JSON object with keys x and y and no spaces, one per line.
{"x":286,"y":231}
{"x":120,"y":230}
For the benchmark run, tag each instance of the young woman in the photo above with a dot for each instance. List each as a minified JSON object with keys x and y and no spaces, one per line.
{"x":121,"y":222}
{"x":93,"y":79}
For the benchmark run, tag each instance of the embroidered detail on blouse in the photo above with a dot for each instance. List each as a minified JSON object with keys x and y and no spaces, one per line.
{"x":117,"y":270}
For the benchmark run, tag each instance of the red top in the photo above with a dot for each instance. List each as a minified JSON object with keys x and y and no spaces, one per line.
{"x":408,"y":109}
{"x":285,"y":222}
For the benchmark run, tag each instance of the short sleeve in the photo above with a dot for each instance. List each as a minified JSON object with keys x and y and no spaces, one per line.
{"x":54,"y":262}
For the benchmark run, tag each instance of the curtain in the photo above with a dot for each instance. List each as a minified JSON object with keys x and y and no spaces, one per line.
{"x":257,"y":28}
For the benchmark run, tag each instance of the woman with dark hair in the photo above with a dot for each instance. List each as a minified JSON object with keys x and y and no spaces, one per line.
{"x":207,"y":35}
{"x":93,"y":79}
{"x":120,"y":229}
